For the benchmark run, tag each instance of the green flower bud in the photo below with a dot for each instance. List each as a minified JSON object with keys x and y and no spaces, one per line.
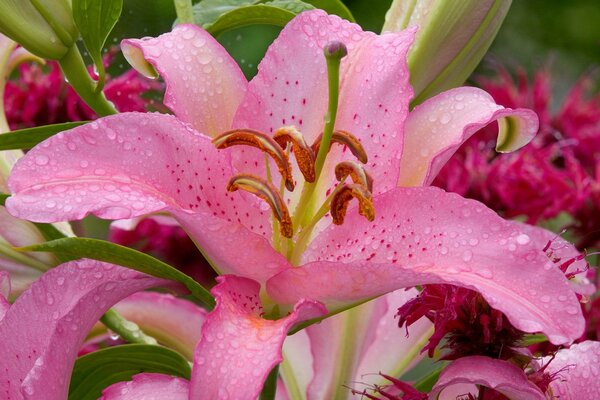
{"x":44,"y":27}
{"x":453,"y":37}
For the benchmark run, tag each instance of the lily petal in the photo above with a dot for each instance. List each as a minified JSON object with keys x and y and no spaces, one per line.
{"x":562,"y":252}
{"x":387,"y":351}
{"x":371,"y":330}
{"x":172,"y":321}
{"x":462,"y":375}
{"x":576,"y":371}
{"x":204,"y":84}
{"x":4,"y":292}
{"x":238,"y":348}
{"x":44,"y":329}
{"x":144,"y":163}
{"x":436,"y":129}
{"x":288,"y":93}
{"x":425,"y":235}
{"x":148,"y":386}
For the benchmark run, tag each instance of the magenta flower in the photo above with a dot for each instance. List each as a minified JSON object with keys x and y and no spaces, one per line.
{"x":40,"y":98}
{"x":558,"y":173}
{"x":290,"y":266}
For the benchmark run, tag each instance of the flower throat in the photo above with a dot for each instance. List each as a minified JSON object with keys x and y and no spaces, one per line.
{"x":291,"y":233}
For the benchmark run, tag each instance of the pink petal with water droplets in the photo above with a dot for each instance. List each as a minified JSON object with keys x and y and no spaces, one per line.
{"x":561,"y":252}
{"x":577,"y":371}
{"x":238,"y":347}
{"x":435,"y":130}
{"x":148,"y":386}
{"x":43,"y":330}
{"x":132,"y":164}
{"x":4,"y":293}
{"x":425,"y":235}
{"x":499,"y":375}
{"x":291,"y":89}
{"x":172,"y":321}
{"x":204,"y":84}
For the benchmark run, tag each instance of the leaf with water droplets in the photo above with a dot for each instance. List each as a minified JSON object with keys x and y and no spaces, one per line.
{"x":28,"y":138}
{"x":96,"y":371}
{"x":109,"y":252}
{"x":95,"y":19}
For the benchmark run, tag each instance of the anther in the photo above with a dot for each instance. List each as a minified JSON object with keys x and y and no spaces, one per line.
{"x":356,"y":171}
{"x":339,"y":203}
{"x":266,"y":191}
{"x":263,"y":142}
{"x":305,"y":157}
{"x":346,"y":139}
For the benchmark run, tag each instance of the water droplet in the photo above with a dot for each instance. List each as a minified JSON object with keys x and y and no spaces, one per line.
{"x":545,"y":299}
{"x":41,"y":159}
{"x":523,"y":239}
{"x":467,"y":256}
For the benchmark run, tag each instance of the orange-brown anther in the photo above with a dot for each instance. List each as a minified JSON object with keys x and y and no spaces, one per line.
{"x":266,"y":191}
{"x":303,"y":153}
{"x":339,"y":203}
{"x":265,"y":143}
{"x":347,"y":139}
{"x":356,"y":171}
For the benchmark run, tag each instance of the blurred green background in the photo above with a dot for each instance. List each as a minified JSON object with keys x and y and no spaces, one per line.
{"x":564,"y":35}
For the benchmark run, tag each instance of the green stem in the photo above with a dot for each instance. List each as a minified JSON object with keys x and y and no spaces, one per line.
{"x":185,"y":13}
{"x":270,"y":387}
{"x":9,"y":252}
{"x":76,"y":72}
{"x":127,"y":330}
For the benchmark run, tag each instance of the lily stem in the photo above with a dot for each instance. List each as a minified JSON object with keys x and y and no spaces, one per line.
{"x":270,"y":387}
{"x":77,"y":75}
{"x":184,"y":10}
{"x":127,"y":330}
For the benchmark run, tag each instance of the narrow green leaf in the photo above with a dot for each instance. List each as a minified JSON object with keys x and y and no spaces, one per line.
{"x":28,"y":138}
{"x":101,"y":250}
{"x":95,"y":19}
{"x":96,"y":371}
{"x":3,"y":197}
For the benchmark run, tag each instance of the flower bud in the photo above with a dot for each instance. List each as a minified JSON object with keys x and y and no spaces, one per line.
{"x":453,"y":37}
{"x":44,"y":27}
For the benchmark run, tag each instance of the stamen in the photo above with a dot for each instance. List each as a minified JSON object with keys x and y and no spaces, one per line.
{"x":356,"y":171}
{"x":339,"y":203}
{"x":263,"y":142}
{"x":305,"y":157}
{"x":266,"y":191}
{"x":346,"y":139}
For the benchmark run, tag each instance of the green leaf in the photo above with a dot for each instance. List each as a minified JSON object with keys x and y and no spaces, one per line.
{"x":278,"y":14}
{"x":333,"y":7}
{"x":3,"y":197}
{"x":28,"y":138}
{"x":208,"y":11}
{"x":96,"y":371}
{"x":101,"y":250}
{"x":95,"y":19}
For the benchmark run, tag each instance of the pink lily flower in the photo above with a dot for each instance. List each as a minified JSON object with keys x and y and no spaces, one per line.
{"x":134,"y":164}
{"x":572,"y":374}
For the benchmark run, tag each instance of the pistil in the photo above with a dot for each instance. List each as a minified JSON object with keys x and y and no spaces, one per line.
{"x":334,"y":52}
